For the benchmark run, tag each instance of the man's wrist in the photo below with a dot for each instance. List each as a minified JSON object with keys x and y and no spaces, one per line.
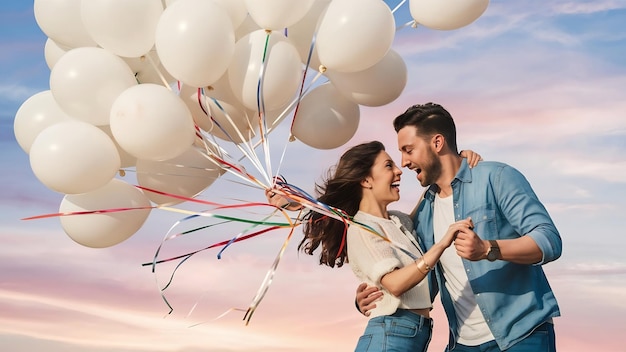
{"x":493,"y":251}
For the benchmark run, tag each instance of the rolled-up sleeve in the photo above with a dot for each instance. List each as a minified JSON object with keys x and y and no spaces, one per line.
{"x":370,"y":254}
{"x":528,"y":216}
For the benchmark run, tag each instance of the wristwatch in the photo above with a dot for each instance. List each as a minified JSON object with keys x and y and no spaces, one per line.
{"x":494,"y":251}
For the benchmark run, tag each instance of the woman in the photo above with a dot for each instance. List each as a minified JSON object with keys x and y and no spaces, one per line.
{"x":363,"y":183}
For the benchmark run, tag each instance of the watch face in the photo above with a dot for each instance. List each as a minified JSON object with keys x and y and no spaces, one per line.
{"x":494,"y":251}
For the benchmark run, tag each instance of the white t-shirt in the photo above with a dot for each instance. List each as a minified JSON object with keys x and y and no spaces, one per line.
{"x":371,"y":257}
{"x":473,"y":329}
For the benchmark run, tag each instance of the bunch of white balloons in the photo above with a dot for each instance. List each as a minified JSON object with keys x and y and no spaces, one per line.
{"x":131,"y":81}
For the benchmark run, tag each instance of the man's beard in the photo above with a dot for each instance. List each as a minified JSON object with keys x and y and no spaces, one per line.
{"x":431,"y":170}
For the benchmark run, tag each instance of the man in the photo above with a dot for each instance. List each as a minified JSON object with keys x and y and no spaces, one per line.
{"x":493,"y":288}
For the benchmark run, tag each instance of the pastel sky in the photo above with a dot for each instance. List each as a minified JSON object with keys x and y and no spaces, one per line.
{"x":540,"y":85}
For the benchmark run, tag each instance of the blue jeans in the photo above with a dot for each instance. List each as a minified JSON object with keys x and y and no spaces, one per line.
{"x":542,"y":339}
{"x":401,"y":332}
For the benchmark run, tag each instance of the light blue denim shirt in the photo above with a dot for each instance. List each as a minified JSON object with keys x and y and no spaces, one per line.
{"x":513,"y":298}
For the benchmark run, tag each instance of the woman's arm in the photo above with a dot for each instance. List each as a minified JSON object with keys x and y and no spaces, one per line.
{"x":398,"y":281}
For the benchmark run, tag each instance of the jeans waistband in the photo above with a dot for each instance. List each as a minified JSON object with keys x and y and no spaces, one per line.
{"x":400,"y":312}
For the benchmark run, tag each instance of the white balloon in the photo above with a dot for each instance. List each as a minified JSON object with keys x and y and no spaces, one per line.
{"x":125,"y":28}
{"x":34,"y":115}
{"x":349,"y":40}
{"x":281,"y":73}
{"x":246,"y":27}
{"x":86,"y":81}
{"x":303,"y":32}
{"x":273,"y":117}
{"x":61,"y":21}
{"x":53,"y":52}
{"x":227,"y":121}
{"x":325,"y":118}
{"x":194,"y":99}
{"x":148,"y":69}
{"x":375,"y":86}
{"x":151,"y":122}
{"x":74,"y":157}
{"x":446,"y":14}
{"x":221,"y":90}
{"x":277,"y":14}
{"x":236,"y":10}
{"x":105,"y":229}
{"x":126,"y":159}
{"x":185,"y":175}
{"x":195,"y":40}
{"x":142,"y":62}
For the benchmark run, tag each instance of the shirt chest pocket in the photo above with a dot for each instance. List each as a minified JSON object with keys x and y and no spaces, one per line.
{"x":485,"y":224}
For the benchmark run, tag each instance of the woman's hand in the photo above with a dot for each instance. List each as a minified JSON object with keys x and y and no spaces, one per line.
{"x":472,"y":157}
{"x":281,"y":201}
{"x":459,"y":226}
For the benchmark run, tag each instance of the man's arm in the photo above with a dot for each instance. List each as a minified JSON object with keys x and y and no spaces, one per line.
{"x":523,"y":250}
{"x":366,"y":298}
{"x":540,"y":243}
{"x":528,"y":216}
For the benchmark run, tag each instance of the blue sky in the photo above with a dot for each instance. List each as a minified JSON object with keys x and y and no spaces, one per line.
{"x":538,"y":85}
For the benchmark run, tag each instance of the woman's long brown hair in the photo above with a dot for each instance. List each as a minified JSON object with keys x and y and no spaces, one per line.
{"x":341,"y":189}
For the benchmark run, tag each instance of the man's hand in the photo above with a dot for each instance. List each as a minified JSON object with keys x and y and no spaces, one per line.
{"x":469,"y":246}
{"x":366,"y":298}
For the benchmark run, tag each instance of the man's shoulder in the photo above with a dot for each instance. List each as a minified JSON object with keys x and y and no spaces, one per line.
{"x":494,"y":172}
{"x":490,"y":164}
{"x":489,"y":167}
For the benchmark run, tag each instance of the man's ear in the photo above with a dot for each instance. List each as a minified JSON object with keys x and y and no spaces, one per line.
{"x":438,"y":141}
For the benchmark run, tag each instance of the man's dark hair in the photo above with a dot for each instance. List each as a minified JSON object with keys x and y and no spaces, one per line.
{"x":429,"y":119}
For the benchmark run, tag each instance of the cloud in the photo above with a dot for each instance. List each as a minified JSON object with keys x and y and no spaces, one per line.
{"x":608,"y":170}
{"x":15,"y":93}
{"x":107,"y":302}
{"x":587,"y":7}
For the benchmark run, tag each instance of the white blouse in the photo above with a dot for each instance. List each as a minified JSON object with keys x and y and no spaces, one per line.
{"x":371,"y":257}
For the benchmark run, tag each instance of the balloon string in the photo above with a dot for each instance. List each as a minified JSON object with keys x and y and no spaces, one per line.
{"x":259,"y":88}
{"x":87,"y":212}
{"x":247,"y":152}
{"x":156,"y":69}
{"x":261,"y":107}
{"x":398,"y":6}
{"x":246,"y":149}
{"x":267,"y":281}
{"x":186,"y":256}
{"x":239,"y":235}
{"x":308,"y":64}
{"x":407,"y":24}
{"x":219,"y":244}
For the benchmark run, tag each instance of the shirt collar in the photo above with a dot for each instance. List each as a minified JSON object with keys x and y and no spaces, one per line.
{"x":463,"y":175}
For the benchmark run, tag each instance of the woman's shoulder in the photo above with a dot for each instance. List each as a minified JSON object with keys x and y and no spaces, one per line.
{"x":399,"y":214}
{"x":405,"y":219}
